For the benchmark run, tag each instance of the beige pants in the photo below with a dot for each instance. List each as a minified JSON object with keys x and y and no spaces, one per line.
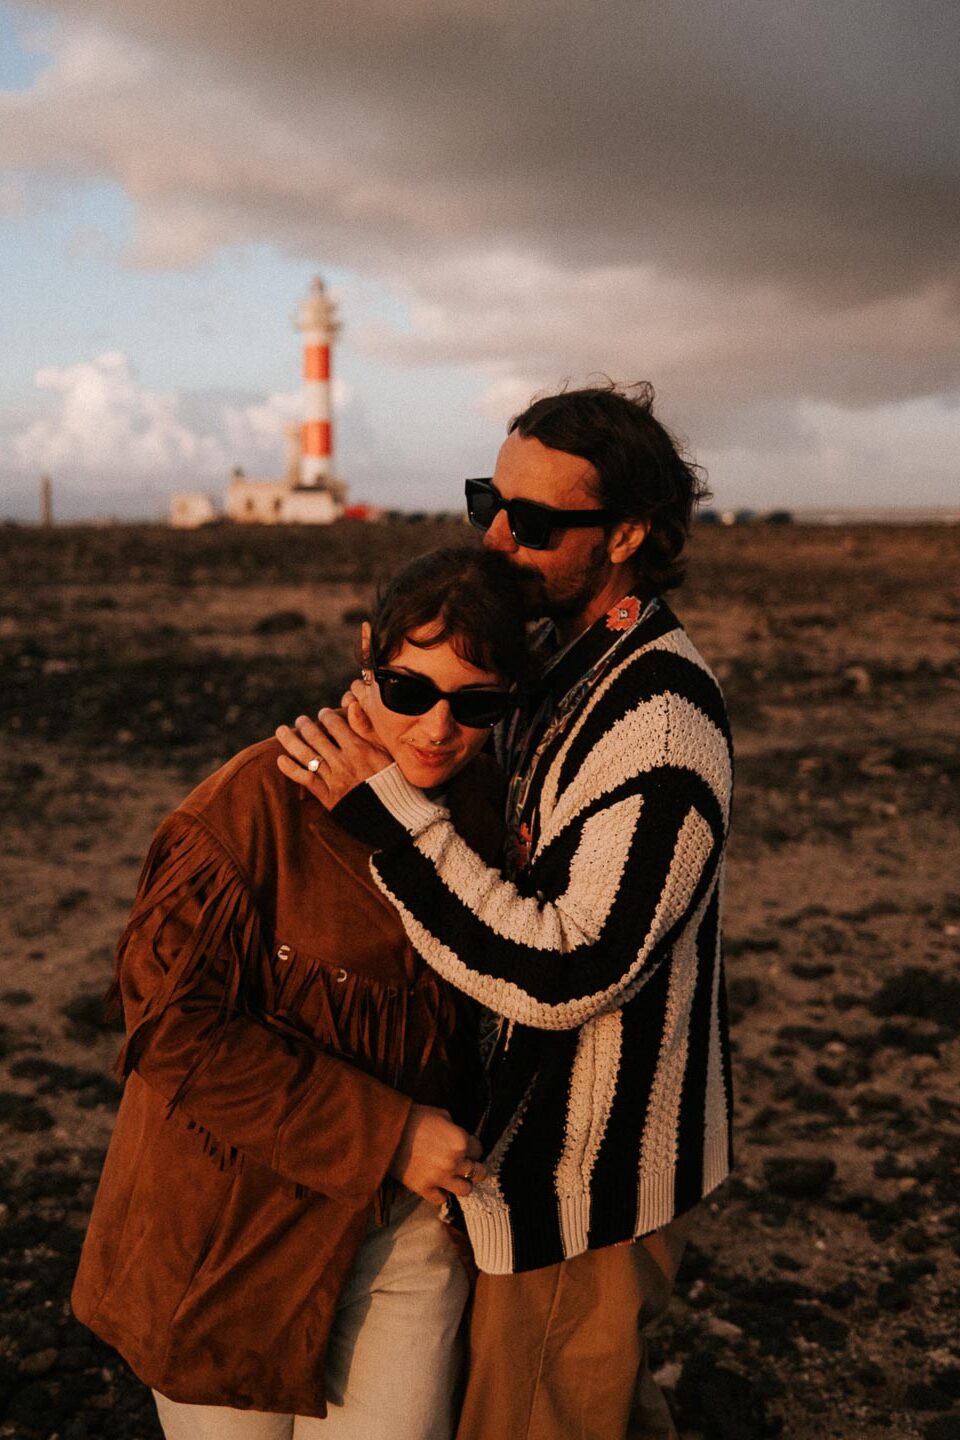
{"x":394,"y":1359}
{"x":559,"y":1353}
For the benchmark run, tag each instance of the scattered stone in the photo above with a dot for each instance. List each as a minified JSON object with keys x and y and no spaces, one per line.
{"x":743,"y":992}
{"x":797,"y":1176}
{"x":833,"y":1075}
{"x":812,"y":969}
{"x":764,"y":1117}
{"x":948,"y":1380}
{"x":33,"y":1407}
{"x":723,"y":1329}
{"x":21,"y":1112}
{"x":812,"y":1037}
{"x":871,"y":1375}
{"x":945,"y":1427}
{"x":924,"y":1396}
{"x":860,"y":679}
{"x":280,"y":622}
{"x":922,"y":993}
{"x":771,"y":1290}
{"x":842,"y":1295}
{"x":88,"y":1019}
{"x":721,"y":1403}
{"x":893,"y":1296}
{"x":667,"y":1375}
{"x":16,"y":997}
{"x":70,"y":899}
{"x":751,"y":945}
{"x":905,"y":1037}
{"x":41,"y":1362}
{"x":783,"y":1261}
{"x":908,"y":1271}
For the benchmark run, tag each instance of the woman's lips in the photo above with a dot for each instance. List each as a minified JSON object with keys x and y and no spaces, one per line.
{"x":432,"y":758}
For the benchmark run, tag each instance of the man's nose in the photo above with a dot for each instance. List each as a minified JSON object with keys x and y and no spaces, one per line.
{"x":439,"y":723}
{"x":498,"y":537}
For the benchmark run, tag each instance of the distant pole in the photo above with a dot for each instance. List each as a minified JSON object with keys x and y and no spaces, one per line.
{"x":317,"y":320}
{"x":46,"y":502}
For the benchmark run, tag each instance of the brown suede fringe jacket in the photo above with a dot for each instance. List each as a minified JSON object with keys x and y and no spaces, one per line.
{"x":279,"y":1026}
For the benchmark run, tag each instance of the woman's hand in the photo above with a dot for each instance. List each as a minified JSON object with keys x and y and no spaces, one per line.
{"x":435,"y":1157}
{"x":342,"y":756}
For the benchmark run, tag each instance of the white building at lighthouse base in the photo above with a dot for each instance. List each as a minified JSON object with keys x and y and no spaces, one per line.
{"x":286,"y":501}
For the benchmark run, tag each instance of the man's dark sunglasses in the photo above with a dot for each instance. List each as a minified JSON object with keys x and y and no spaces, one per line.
{"x":531,"y":525}
{"x":415,"y":695}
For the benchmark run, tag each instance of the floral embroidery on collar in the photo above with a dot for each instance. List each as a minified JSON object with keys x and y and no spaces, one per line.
{"x":625,"y":613}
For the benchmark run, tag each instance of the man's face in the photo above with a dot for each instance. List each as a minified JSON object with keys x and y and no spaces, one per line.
{"x":561,"y":581}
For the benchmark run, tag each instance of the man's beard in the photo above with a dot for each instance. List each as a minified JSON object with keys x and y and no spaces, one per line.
{"x":565,"y":598}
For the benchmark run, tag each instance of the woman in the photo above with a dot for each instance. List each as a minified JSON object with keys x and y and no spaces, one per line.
{"x":263,"y":1249}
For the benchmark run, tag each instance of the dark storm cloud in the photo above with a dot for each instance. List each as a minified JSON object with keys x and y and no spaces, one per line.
{"x":808,"y":144}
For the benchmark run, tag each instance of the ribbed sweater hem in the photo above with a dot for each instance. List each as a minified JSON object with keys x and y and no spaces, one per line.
{"x":510,"y":1238}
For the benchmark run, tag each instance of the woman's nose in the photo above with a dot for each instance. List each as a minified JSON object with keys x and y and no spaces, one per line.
{"x":439,"y":723}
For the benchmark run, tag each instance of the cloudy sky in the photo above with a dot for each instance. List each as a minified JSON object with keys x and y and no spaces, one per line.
{"x":752,"y":203}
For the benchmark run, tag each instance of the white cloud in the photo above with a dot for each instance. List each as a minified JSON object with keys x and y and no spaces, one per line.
{"x":100,"y":423}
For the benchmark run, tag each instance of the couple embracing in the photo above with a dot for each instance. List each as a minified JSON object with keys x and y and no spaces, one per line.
{"x":398,"y":1012}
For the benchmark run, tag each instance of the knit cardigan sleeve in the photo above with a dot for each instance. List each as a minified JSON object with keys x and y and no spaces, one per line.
{"x":196,"y":984}
{"x":630,"y":847}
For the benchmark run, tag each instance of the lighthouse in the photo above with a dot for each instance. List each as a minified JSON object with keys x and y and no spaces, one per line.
{"x":316,"y":319}
{"x":308,"y":493}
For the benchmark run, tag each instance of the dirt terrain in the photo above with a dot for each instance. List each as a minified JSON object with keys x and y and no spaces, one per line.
{"x":820,"y":1297}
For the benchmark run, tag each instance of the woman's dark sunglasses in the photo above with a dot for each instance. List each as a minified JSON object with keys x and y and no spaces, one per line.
{"x":531,"y":525}
{"x":415,"y":695}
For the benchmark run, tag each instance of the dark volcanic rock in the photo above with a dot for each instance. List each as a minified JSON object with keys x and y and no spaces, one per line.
{"x":721,"y":1403}
{"x":812,"y":969}
{"x":891,"y":1295}
{"x":798,"y":1176}
{"x":923,"y":1396}
{"x":23,"y":1113}
{"x":280,"y":622}
{"x":783,"y":1261}
{"x":813,"y":1037}
{"x":87,"y":1014}
{"x":922,"y":993}
{"x":742,"y":993}
{"x":945,"y":1427}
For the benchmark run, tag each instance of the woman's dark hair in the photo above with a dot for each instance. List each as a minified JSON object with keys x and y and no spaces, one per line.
{"x":643,"y":473}
{"x":468,"y":596}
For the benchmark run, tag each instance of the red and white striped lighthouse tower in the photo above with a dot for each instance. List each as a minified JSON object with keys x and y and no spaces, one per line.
{"x":317,"y":319}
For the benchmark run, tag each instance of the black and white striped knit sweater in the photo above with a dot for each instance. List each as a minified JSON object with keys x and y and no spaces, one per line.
{"x":610,"y":1089}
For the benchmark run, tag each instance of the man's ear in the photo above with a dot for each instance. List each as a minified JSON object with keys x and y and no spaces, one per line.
{"x":625,"y":540}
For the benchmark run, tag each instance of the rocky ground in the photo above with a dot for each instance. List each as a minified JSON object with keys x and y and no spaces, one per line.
{"x":820,"y":1297}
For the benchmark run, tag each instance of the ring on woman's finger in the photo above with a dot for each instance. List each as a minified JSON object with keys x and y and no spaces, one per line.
{"x":468,"y":1174}
{"x":314,"y":765}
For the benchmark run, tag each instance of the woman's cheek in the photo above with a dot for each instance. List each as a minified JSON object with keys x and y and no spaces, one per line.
{"x":476,"y":742}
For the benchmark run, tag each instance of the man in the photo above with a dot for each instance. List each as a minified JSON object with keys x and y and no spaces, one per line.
{"x":599,"y":945}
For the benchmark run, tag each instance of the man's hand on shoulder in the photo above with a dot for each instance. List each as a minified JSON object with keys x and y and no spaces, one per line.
{"x":331,"y":755}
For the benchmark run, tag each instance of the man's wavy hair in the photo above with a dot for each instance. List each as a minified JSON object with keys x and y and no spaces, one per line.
{"x":643,"y":474}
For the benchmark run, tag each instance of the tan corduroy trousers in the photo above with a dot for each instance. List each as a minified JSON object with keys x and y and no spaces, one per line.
{"x":559,"y":1353}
